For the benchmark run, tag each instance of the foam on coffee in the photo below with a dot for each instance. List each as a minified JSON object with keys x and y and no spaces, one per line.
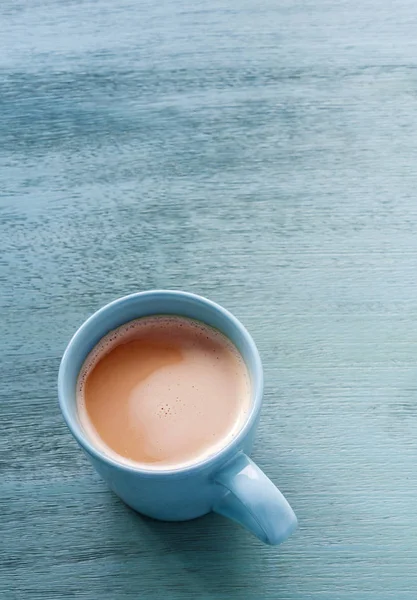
{"x":163,"y":391}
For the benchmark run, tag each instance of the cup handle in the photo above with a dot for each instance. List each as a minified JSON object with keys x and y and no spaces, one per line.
{"x":253,"y":501}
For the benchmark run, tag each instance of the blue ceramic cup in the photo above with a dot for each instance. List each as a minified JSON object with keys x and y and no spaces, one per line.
{"x":228,"y":482}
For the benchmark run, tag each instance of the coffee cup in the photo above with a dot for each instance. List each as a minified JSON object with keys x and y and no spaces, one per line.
{"x":228,"y":482}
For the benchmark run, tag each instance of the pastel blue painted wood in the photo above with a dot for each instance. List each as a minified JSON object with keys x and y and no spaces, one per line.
{"x":263,"y":155}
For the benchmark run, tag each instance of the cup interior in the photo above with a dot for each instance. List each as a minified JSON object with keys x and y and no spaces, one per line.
{"x":146,"y":304}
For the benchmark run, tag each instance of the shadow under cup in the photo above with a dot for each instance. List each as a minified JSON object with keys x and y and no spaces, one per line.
{"x":227,"y":482}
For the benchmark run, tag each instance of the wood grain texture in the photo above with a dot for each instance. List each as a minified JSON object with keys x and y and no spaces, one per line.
{"x":264,"y":155}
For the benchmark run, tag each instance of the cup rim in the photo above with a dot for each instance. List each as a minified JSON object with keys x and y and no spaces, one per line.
{"x":92,"y":450}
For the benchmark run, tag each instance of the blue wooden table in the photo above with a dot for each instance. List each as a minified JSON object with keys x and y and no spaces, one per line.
{"x":263,"y":154}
